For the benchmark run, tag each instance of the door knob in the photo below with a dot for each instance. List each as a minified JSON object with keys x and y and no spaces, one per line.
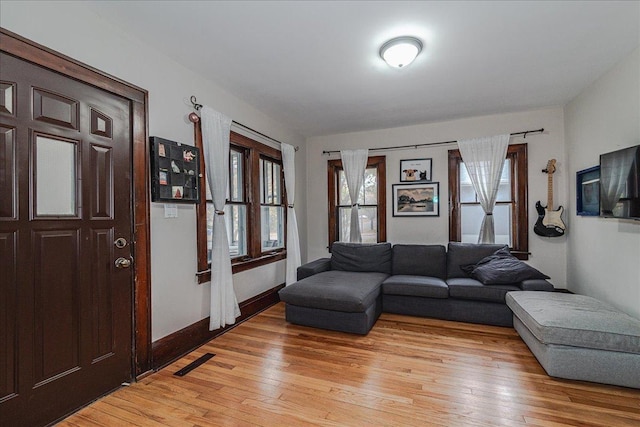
{"x":123,"y":263}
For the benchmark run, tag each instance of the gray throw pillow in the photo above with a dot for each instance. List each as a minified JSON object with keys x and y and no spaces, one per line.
{"x":502,"y":268}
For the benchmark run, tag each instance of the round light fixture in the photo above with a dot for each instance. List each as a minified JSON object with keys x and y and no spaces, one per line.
{"x":400,"y":51}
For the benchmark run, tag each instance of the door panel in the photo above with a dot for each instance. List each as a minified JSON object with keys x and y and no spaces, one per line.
{"x":55,"y":109}
{"x":65,"y":177}
{"x":100,"y":124}
{"x":7,"y":173}
{"x":101,"y":170}
{"x":56,"y":299}
{"x":7,"y":98}
{"x":101,"y":301}
{"x":8,"y":303}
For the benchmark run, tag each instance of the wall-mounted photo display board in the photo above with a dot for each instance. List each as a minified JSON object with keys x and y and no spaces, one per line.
{"x":175,"y":171}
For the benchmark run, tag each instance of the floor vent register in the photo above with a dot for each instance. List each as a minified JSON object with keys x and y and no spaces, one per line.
{"x":193,"y":365}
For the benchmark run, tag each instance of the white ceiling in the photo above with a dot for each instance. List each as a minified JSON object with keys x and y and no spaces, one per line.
{"x":314,"y":66}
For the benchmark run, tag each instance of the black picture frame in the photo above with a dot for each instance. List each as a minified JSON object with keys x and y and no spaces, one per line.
{"x":588,"y":191}
{"x":416,"y":170}
{"x":411,"y":200}
{"x":175,"y":171}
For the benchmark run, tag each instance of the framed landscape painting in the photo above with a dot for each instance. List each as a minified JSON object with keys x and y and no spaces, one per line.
{"x":416,"y":199}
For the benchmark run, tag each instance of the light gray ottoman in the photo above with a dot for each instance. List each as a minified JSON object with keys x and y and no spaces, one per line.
{"x":578,"y":337}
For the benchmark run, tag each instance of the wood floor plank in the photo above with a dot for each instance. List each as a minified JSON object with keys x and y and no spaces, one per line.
{"x":127,"y":417}
{"x":407,"y":371}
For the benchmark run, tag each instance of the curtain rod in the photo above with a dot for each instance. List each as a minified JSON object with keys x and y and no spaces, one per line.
{"x":193,"y":117}
{"x":426,"y":144}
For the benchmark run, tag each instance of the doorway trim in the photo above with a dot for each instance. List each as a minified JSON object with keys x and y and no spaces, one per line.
{"x":35,"y":53}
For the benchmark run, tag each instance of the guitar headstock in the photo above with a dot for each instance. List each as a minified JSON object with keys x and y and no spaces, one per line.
{"x":551,"y":167}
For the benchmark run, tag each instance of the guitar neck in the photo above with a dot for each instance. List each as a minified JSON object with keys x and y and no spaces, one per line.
{"x":550,"y":192}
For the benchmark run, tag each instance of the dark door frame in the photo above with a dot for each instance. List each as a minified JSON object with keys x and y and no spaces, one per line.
{"x":35,"y":53}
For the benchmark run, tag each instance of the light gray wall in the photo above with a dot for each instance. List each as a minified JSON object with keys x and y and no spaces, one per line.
{"x":548,"y":255}
{"x":603,"y":258}
{"x":70,"y":28}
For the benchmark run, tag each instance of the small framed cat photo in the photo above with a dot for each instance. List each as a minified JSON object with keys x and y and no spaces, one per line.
{"x":415,"y":170}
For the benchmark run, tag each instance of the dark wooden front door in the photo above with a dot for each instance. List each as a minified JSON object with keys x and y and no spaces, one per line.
{"x":66,"y":285}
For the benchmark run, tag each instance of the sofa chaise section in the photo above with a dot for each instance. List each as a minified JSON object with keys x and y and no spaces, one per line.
{"x":342,"y":293}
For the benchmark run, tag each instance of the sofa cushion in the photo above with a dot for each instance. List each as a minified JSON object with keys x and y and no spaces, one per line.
{"x":536,"y":285}
{"x":335,"y":290}
{"x":501,"y":268}
{"x":459,"y":254}
{"x":420,"y":260}
{"x":419,"y":286}
{"x":575,"y":320}
{"x":364,"y":257}
{"x":471,"y":289}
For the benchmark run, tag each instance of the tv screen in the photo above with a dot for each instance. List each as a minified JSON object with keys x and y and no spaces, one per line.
{"x":620,"y":183}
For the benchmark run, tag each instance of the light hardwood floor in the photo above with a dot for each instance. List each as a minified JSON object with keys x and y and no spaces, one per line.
{"x":407,"y":371}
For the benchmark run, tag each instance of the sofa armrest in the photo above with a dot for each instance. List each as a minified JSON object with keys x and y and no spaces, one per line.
{"x":314,"y":267}
{"x":536,"y":285}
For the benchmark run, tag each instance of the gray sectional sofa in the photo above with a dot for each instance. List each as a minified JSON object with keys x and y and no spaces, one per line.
{"x":350,"y":290}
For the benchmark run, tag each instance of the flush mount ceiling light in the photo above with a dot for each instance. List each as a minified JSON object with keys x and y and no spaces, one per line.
{"x":400,"y":51}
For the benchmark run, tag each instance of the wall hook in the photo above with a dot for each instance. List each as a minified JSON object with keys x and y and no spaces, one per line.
{"x":196,"y":106}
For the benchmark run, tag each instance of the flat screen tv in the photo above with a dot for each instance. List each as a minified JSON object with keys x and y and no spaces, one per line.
{"x":620,"y":183}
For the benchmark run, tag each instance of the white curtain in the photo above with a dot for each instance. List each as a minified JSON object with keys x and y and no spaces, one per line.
{"x":216,"y":129}
{"x":484,"y":159}
{"x":614,"y":173}
{"x":293,"y":241}
{"x":354,"y":163}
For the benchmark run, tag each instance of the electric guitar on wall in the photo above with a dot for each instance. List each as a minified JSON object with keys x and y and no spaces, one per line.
{"x":549,"y":223}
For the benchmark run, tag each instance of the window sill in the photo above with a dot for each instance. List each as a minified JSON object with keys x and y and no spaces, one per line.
{"x":242,"y":264}
{"x":522,"y":255}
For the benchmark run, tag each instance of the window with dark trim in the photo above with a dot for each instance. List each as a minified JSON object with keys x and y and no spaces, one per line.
{"x":372,"y":202}
{"x":271,"y":204}
{"x":510,"y":213}
{"x":254,"y":211}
